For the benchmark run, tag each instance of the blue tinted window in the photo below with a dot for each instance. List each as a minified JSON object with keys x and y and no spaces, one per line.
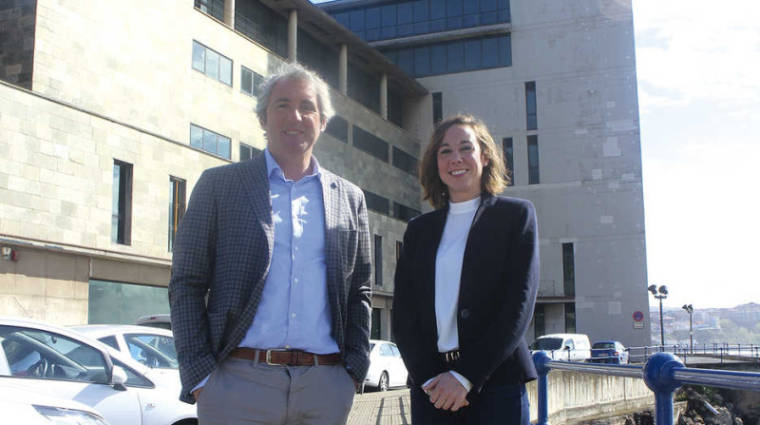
{"x":387,"y":32}
{"x":505,"y":51}
{"x":470,"y":21}
{"x":472,"y":54}
{"x":487,"y":18}
{"x":406,"y":60}
{"x":453,"y":23}
{"x":437,"y":25}
{"x":453,"y":8}
{"x":372,"y":35}
{"x":490,"y":53}
{"x":438,"y":59}
{"x":422,"y":61}
{"x":437,"y":9}
{"x":343,"y":18}
{"x":389,"y":15}
{"x":487,"y":5}
{"x":469,"y":7}
{"x":357,"y":20}
{"x":421,"y":11}
{"x":373,"y":17}
{"x":455,"y":56}
{"x":404,"y":30}
{"x":405,"y":13}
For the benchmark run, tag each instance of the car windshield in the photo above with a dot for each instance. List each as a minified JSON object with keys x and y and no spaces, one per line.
{"x":547,"y":344}
{"x":604,"y":345}
{"x":155,"y":351}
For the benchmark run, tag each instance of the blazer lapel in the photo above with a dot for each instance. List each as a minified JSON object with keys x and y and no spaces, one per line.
{"x":256,"y":187}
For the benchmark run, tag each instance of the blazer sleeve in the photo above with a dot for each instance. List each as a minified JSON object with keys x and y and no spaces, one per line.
{"x":420,"y":356}
{"x":192,"y":268}
{"x":359,"y":295}
{"x":507,"y":330}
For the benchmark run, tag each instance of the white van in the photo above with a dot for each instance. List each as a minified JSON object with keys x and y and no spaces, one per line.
{"x":574,"y":347}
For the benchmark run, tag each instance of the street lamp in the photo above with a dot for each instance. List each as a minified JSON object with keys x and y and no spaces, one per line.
{"x":690,"y":309}
{"x":660,"y":293}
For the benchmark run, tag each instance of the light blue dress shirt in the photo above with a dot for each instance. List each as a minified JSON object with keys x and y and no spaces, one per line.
{"x":294,"y":312}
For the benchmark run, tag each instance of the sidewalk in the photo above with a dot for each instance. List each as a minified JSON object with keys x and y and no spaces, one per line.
{"x":381,"y":408}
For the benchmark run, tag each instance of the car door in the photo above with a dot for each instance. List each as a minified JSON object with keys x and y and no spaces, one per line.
{"x":53,"y":364}
{"x":398,"y":377}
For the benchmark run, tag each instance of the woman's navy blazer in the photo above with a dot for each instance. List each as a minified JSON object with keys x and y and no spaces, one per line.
{"x":497,"y":295}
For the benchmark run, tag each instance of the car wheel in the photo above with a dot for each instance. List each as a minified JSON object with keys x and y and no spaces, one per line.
{"x":382,"y":384}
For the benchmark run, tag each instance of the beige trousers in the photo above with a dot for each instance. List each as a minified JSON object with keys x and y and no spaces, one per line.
{"x":248,"y":392}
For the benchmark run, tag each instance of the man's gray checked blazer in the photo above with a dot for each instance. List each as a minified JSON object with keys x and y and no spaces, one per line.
{"x":223,"y":248}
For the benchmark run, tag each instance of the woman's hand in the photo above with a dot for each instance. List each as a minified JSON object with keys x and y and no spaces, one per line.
{"x":446,"y":392}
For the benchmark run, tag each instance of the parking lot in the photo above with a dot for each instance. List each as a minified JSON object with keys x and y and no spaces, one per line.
{"x":381,"y":408}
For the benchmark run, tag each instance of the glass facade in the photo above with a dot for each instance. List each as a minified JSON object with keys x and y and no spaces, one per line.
{"x":533,"y":174}
{"x":318,"y":57}
{"x":211,"y":63}
{"x":209,"y":141}
{"x":509,"y":158}
{"x":408,"y":18}
{"x":250,"y":81}
{"x":214,"y":8}
{"x":263,"y":25}
{"x":364,"y":88}
{"x":123,"y":303}
{"x":469,"y":54}
{"x":177,"y":188}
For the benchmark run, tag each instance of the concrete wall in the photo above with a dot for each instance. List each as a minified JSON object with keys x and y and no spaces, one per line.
{"x":576,"y":397}
{"x":581,"y":56}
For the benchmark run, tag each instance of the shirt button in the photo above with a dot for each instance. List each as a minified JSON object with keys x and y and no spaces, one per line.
{"x":293,"y":315}
{"x":295,"y":280}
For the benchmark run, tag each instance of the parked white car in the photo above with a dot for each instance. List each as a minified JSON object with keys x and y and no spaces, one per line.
{"x":386,"y":369}
{"x":573,"y":347}
{"x":151,"y":347}
{"x":22,"y":406}
{"x":60,"y":362}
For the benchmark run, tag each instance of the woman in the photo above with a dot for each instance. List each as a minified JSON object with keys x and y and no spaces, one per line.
{"x":466,"y":284}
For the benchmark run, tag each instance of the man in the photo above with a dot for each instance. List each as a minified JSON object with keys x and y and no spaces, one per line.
{"x":270,"y":291}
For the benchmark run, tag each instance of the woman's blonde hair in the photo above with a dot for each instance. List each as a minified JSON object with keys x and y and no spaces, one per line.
{"x":494,"y":178}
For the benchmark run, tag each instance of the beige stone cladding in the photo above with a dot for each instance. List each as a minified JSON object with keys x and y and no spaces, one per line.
{"x":57,"y":176}
{"x":132,"y":61}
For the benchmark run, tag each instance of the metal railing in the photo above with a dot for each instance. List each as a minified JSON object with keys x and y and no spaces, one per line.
{"x":721,"y":351}
{"x":663,"y":373}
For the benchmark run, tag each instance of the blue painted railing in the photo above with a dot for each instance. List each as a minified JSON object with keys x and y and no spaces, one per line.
{"x":663,"y":373}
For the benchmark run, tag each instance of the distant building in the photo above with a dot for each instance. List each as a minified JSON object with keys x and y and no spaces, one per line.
{"x":110,"y":111}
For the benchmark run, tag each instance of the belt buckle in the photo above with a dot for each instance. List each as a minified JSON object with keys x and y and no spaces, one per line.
{"x":268,"y":358}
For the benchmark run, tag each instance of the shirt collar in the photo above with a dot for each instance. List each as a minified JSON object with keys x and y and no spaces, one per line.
{"x":274,"y":169}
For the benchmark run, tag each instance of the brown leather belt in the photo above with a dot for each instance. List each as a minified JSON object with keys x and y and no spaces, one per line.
{"x":286,"y":357}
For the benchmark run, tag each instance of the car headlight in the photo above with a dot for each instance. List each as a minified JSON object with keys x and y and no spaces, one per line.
{"x":62,"y":416}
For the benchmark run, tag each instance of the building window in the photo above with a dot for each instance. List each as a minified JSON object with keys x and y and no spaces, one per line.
{"x":378,"y":260}
{"x":407,"y":18}
{"x":399,"y":246}
{"x":121,"y":220}
{"x":371,"y":144}
{"x":404,"y":161}
{"x":395,"y":108}
{"x":211,"y":63}
{"x":437,"y":107}
{"x":377,"y":203}
{"x":263,"y":25}
{"x":533,"y":176}
{"x":116,"y":302}
{"x":214,"y":8}
{"x":539,"y":321}
{"x":248,"y":152}
{"x":176,"y":206}
{"x":319,"y":57}
{"x":209,"y":141}
{"x":375,"y":331}
{"x":530,"y":105}
{"x":338,"y":127}
{"x":568,"y":268}
{"x":570,"y":317}
{"x":509,"y":158}
{"x":453,"y":56}
{"x":402,"y":212}
{"x":364,"y":87}
{"x":250,"y":81}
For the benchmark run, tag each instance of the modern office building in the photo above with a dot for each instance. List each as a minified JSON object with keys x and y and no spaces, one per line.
{"x":556,"y":83}
{"x":110,"y":111}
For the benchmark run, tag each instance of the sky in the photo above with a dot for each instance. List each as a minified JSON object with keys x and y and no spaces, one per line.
{"x":698,"y":68}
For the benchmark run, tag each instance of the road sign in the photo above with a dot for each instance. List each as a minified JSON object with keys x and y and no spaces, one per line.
{"x":638,"y":320}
